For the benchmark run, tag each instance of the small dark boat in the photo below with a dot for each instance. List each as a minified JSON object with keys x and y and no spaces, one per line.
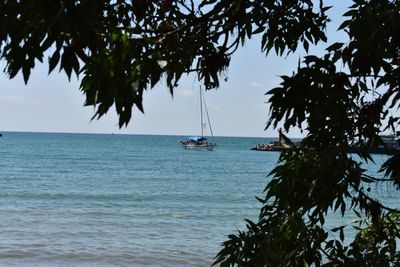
{"x":279,"y":145}
{"x":390,"y":145}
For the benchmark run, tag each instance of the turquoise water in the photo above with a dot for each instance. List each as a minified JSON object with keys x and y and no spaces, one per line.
{"x":128,"y":200}
{"x":123,"y":200}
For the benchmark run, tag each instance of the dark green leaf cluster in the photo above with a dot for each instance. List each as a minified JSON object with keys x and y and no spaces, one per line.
{"x":121,"y":48}
{"x":283,"y":240}
{"x":345,"y":98}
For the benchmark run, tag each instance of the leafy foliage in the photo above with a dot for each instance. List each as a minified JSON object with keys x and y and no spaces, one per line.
{"x":345,"y":97}
{"x":337,"y":108}
{"x":122,"y":48}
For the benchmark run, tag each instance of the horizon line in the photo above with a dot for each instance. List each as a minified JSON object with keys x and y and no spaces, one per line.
{"x":116,"y":133}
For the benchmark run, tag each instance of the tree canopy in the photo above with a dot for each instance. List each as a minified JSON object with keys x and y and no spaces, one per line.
{"x":121,"y":48}
{"x":345,"y":97}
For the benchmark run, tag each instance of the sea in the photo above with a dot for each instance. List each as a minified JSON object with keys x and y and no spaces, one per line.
{"x":127,"y":200}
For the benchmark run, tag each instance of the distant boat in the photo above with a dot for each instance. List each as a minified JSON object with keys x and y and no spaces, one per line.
{"x":201,"y":142}
{"x":280,"y":145}
{"x":390,"y":145}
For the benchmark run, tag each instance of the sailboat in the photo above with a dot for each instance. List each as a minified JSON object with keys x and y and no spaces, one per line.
{"x":201,"y":142}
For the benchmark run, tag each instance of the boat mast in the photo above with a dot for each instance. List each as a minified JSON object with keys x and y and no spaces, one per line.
{"x":201,"y":113}
{"x":208,"y":120}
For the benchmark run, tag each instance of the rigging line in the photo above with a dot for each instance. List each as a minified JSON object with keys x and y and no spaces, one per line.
{"x":201,"y":113}
{"x":208,"y":119}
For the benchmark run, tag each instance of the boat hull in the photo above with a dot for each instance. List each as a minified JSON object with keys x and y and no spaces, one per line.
{"x":199,"y":146}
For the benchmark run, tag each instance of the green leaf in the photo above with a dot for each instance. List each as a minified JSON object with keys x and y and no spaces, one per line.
{"x":53,"y":60}
{"x":259,"y":30}
{"x":26,"y":71}
{"x":305,"y":45}
{"x":344,"y":24}
{"x":334,"y":47}
{"x":341,"y":234}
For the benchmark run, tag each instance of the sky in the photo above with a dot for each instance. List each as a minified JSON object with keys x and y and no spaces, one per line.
{"x":51,"y":103}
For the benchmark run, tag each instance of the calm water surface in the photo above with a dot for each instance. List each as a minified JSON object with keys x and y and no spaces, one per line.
{"x":104,"y":200}
{"x":125,"y":200}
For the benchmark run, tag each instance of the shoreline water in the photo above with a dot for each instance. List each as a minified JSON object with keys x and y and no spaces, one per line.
{"x":122,"y":200}
{"x":103,"y":200}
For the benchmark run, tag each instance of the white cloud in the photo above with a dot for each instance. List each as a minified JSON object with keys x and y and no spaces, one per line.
{"x":19,"y":100}
{"x":255,"y":84}
{"x":186,"y":93}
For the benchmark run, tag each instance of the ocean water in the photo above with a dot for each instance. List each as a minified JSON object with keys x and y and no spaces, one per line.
{"x":123,"y":200}
{"x":126,"y":200}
